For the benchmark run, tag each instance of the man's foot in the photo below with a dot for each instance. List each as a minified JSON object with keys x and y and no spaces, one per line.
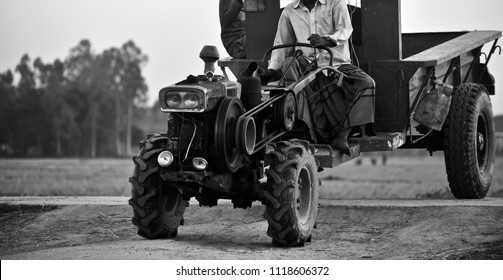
{"x":341,"y":145}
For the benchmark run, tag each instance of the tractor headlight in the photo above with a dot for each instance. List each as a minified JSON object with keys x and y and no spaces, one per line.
{"x":165,"y":159}
{"x":173,"y":100}
{"x":200,"y":163}
{"x":182,"y":99}
{"x":191,"y":100}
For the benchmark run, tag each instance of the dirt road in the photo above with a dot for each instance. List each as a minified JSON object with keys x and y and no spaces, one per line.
{"x":100,"y":228}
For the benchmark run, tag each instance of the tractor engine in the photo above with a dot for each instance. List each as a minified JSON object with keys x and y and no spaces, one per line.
{"x":193,"y":105}
{"x":206,"y":145}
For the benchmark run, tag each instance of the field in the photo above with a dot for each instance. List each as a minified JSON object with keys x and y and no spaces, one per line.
{"x":401,"y":177}
{"x":403,"y":215}
{"x":65,"y":177}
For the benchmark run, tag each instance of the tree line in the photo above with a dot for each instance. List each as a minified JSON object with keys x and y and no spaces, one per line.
{"x":81,"y":106}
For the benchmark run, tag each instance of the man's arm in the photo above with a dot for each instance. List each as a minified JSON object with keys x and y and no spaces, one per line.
{"x":228,"y":11}
{"x":342,"y":23}
{"x":284,"y":35}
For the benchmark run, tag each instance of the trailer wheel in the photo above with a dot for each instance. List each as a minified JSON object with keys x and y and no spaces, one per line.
{"x":158,"y":206}
{"x":469,"y":143}
{"x":292,"y":194}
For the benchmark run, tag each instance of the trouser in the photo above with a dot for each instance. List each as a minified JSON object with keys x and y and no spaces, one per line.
{"x":326,"y":108}
{"x":235,"y":45}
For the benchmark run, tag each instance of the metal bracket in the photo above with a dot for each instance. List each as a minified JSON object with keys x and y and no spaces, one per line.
{"x":499,"y":48}
{"x":474,"y":61}
{"x":429,"y":76}
{"x":493,"y":49}
{"x":452,"y":66}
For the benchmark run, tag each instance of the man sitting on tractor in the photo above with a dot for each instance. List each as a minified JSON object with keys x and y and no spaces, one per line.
{"x":233,"y":27}
{"x":333,"y":113}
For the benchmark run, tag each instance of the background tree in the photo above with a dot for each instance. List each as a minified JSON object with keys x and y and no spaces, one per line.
{"x":30,"y":120}
{"x":83,"y":74}
{"x":86,"y":105}
{"x":135,"y":88}
{"x":7,"y":111}
{"x":59,"y":113}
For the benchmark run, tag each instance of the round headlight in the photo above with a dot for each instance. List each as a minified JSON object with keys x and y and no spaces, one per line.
{"x":165,"y":159}
{"x":191,"y":100}
{"x":200,"y":163}
{"x":173,"y":100}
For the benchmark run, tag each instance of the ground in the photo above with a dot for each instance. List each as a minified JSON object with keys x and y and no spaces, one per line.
{"x":399,"y":211}
{"x":100,"y":228}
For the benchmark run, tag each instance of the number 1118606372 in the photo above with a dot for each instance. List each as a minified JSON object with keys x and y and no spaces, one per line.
{"x":288,"y":271}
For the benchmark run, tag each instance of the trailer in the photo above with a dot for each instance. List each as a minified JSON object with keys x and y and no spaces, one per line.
{"x":409,"y":69}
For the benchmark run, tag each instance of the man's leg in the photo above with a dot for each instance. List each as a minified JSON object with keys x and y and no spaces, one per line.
{"x":237,"y":48}
{"x":292,"y":71}
{"x":340,"y":142}
{"x":359,"y":91}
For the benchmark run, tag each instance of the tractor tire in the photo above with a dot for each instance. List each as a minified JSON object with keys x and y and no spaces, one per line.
{"x":158,"y":206}
{"x":292,"y":194}
{"x":469,"y":142}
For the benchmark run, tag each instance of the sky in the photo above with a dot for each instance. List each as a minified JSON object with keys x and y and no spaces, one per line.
{"x":173,"y":32}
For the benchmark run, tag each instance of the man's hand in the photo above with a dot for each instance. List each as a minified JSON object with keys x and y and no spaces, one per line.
{"x":267,"y":76}
{"x":317,"y":41}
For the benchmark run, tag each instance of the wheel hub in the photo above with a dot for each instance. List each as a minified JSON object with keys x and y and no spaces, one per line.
{"x":303,"y":194}
{"x":480,"y":141}
{"x":285,"y":112}
{"x":299,"y":193}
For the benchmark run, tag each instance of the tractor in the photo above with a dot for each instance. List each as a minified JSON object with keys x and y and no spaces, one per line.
{"x":243,"y":141}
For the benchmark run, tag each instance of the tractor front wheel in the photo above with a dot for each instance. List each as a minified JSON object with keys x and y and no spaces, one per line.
{"x":158,"y":206}
{"x":292,"y":194}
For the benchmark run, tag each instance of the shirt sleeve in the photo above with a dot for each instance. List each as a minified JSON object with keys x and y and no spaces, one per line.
{"x":342,"y":23}
{"x":284,"y":35}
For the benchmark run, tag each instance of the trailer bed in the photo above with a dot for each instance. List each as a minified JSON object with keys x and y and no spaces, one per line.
{"x":452,"y":48}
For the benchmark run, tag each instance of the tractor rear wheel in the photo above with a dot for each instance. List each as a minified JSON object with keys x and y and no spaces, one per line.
{"x":469,"y":142}
{"x":158,"y":206}
{"x":292,"y":194}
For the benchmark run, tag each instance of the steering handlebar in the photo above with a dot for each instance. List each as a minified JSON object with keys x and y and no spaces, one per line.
{"x":269,"y":51}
